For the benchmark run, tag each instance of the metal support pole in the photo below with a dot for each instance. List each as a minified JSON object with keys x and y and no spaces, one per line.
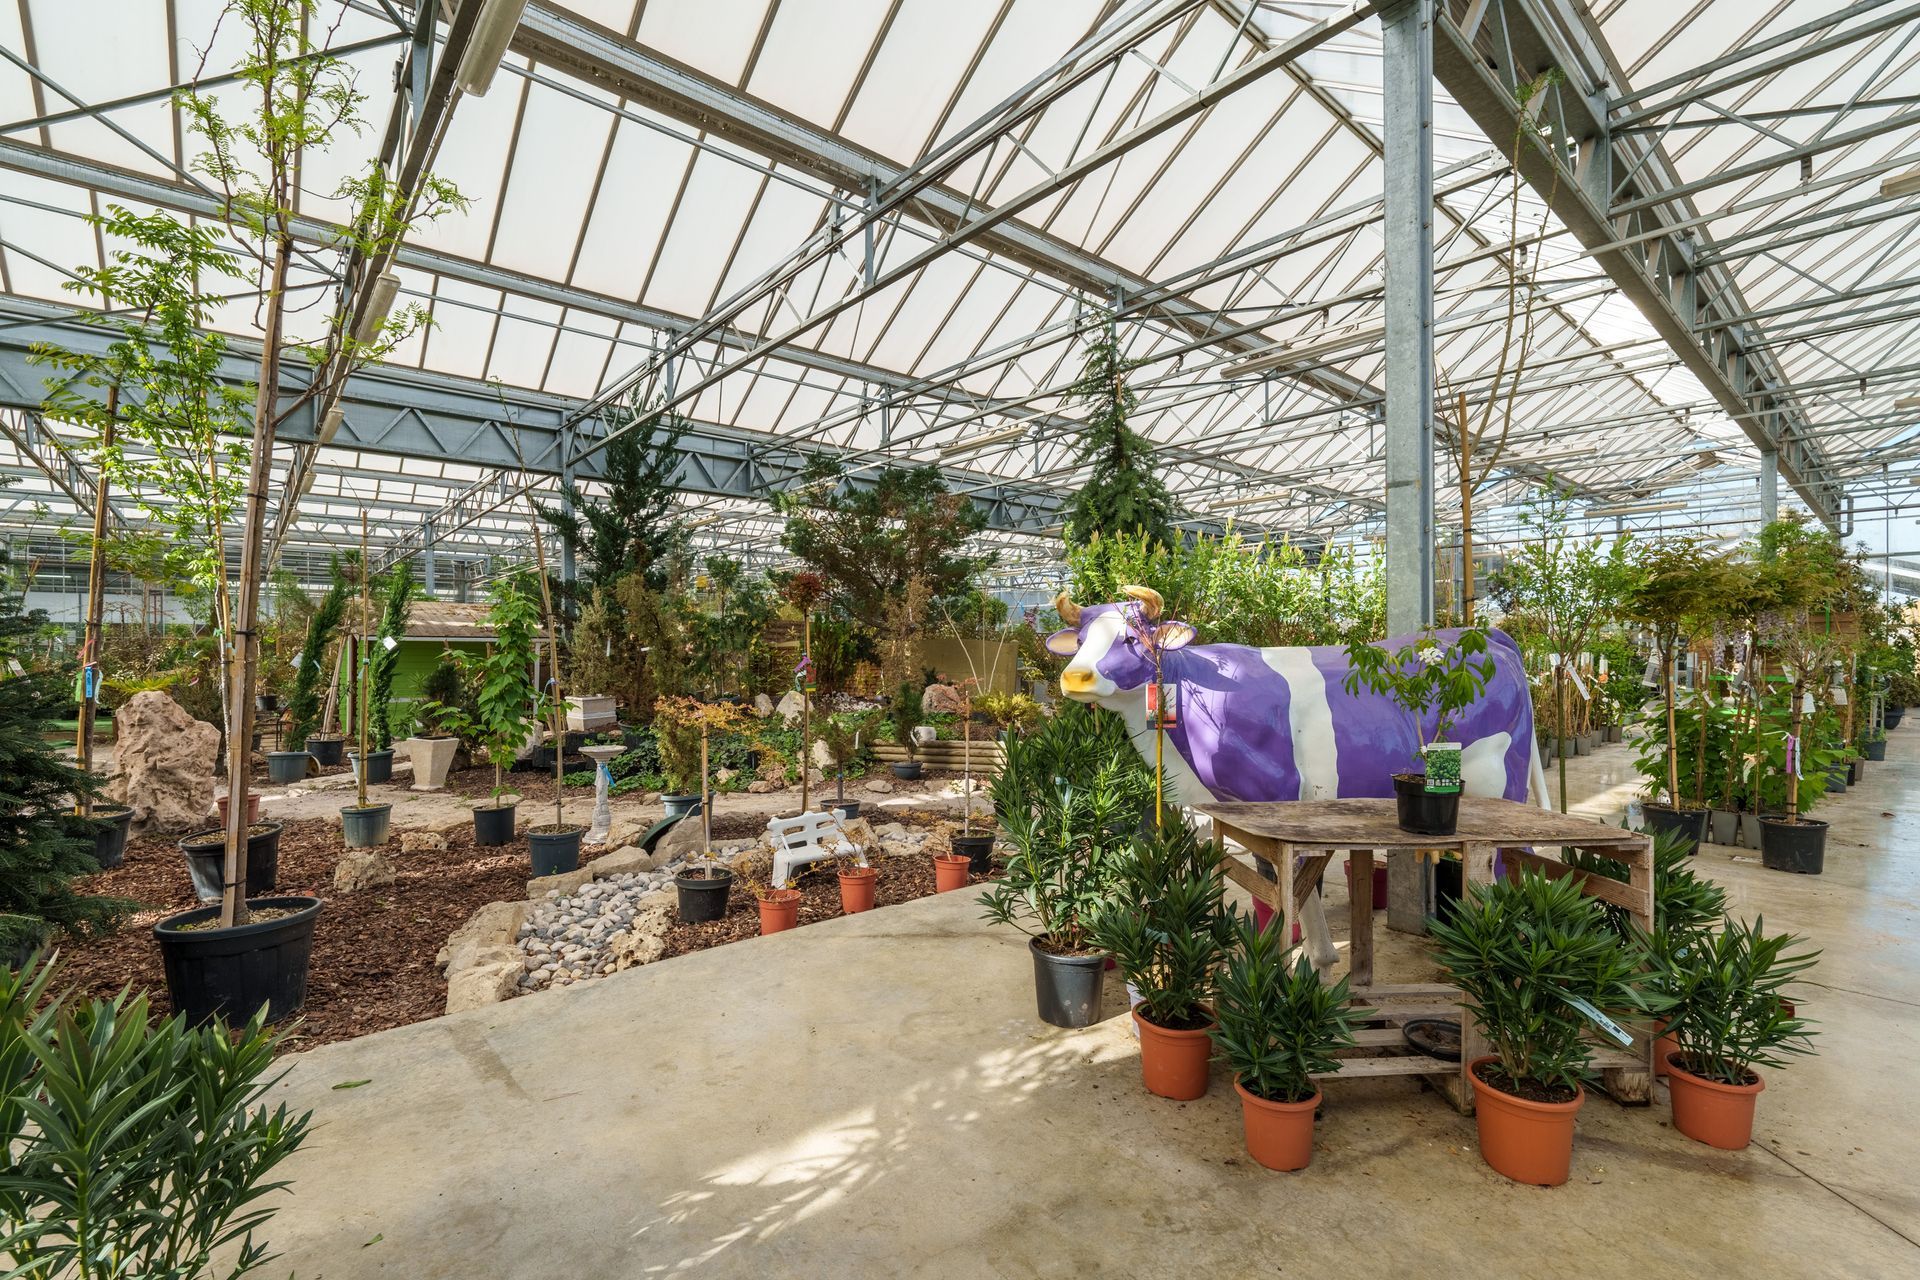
{"x":1407,"y":41}
{"x":1769,"y":486}
{"x":432,"y":580}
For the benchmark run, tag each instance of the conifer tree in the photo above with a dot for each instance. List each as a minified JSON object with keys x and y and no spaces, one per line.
{"x":1123,"y":494}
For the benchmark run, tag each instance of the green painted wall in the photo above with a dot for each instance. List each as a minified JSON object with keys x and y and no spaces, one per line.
{"x":416,"y":662}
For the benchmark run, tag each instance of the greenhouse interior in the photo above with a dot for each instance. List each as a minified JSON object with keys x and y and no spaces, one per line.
{"x":648,"y":637}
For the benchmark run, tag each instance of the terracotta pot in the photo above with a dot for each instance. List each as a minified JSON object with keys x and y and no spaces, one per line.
{"x":1279,"y":1134}
{"x":253,"y":808}
{"x":1530,"y":1142}
{"x":950,"y":871}
{"x":1720,"y":1115}
{"x":779,"y":911}
{"x":856,"y":889}
{"x":1173,"y":1064}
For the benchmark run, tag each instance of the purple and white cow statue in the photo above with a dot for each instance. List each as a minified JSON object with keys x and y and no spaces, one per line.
{"x":1278,"y":723}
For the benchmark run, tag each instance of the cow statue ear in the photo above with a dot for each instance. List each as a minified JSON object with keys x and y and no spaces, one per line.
{"x":1064,"y":643}
{"x":1172,"y":635}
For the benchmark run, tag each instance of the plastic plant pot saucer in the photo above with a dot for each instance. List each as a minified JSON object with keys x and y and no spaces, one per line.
{"x":1435,"y":1037}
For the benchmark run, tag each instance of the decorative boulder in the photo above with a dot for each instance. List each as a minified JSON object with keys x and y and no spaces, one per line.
{"x":422,"y":842}
{"x":942,"y":699}
{"x":762,"y":705}
{"x":789,"y":708}
{"x":760,"y":787}
{"x":166,"y":760}
{"x":362,"y":869}
{"x":822,"y":757}
{"x":879,"y":786}
{"x":682,"y":841}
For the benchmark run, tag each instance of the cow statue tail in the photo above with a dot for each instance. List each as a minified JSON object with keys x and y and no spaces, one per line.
{"x":1537,"y":774}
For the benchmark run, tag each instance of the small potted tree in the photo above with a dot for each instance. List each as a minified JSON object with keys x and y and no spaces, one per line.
{"x":779,"y":908}
{"x":703,"y":888}
{"x":1279,"y":1026}
{"x":844,"y":734}
{"x":1677,"y":585}
{"x":363,"y":824}
{"x":1537,"y":964}
{"x":908,"y":713}
{"x":1065,"y":840}
{"x":1166,"y":928}
{"x":505,"y":703}
{"x":383,"y":660}
{"x":676,"y":727}
{"x":1432,"y":680}
{"x":1729,"y":1016}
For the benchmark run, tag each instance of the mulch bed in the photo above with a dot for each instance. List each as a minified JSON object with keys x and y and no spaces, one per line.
{"x":373,"y":951}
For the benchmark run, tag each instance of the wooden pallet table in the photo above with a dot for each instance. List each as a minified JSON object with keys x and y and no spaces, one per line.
{"x":1302,"y":836}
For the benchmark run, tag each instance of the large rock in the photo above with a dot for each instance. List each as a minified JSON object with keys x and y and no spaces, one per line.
{"x":493,"y":977}
{"x":646,"y":938}
{"x":627,"y":829}
{"x":942,"y":699}
{"x":362,"y":869}
{"x":822,"y":757}
{"x":762,"y":705}
{"x":761,"y":787}
{"x":789,"y":707}
{"x":495,"y":925}
{"x":423,"y":842}
{"x":623,"y":861}
{"x":166,"y":760}
{"x":880,"y":786}
{"x":683,"y":840}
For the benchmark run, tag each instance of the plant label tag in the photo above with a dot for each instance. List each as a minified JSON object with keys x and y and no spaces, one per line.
{"x":1806,"y":703}
{"x":1163,"y":705}
{"x":1608,"y":1027}
{"x":1573,"y":673}
{"x":390,"y":643}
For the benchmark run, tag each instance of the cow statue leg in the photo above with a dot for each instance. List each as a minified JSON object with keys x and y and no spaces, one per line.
{"x":1315,"y":934}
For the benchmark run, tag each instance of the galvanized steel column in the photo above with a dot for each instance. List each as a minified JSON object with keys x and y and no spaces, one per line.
{"x":1769,"y":486}
{"x":1407,"y":67}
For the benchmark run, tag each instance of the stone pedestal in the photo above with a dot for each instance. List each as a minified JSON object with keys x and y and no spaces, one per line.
{"x":431,"y":759}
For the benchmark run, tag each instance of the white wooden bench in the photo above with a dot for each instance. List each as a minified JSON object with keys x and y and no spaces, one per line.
{"x":806,"y":838}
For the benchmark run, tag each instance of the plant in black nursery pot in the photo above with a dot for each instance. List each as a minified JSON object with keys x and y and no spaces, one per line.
{"x":1166,"y":928}
{"x":1432,"y":679}
{"x":505,"y":708}
{"x":908,"y":712}
{"x":1279,"y":1026}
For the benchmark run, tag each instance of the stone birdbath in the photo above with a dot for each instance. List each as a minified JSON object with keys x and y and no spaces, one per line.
{"x":602,"y":756}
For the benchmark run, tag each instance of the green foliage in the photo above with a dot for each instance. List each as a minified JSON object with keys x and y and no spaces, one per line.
{"x":1279,"y":1024}
{"x":1423,"y":678}
{"x":868,"y":540}
{"x":135,"y":1147}
{"x":506,"y":707}
{"x":1014,"y":712}
{"x":1684,"y":901}
{"x":1521,"y":950}
{"x":444,"y":704}
{"x":393,"y":624}
{"x":907,"y":712}
{"x":1070,"y":799}
{"x":1236,"y":592}
{"x":1165,"y":924}
{"x":636,"y":527}
{"x":848,"y":734}
{"x":1122,"y":494}
{"x":1726,"y":989}
{"x":41,"y":849}
{"x":725,"y":633}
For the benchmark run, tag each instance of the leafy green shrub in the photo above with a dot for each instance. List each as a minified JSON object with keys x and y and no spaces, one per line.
{"x":1278,"y":1024}
{"x":1165,"y":925}
{"x":1727,"y":1010}
{"x":134,"y":1148}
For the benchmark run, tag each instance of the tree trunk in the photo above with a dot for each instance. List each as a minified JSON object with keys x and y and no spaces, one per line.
{"x":1560,"y":725}
{"x":1793,"y":774}
{"x":806,"y":711}
{"x":361,"y":660}
{"x":1673,"y":747}
{"x":245,"y":651}
{"x":96,"y":606}
{"x":1466,"y":520}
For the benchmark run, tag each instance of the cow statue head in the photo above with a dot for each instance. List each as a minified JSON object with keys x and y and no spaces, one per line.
{"x":1114,"y":647}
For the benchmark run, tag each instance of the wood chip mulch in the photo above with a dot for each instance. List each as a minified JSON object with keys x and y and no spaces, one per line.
{"x":373,"y":951}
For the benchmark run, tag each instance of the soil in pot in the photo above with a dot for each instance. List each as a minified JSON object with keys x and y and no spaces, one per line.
{"x":1279,"y":1134}
{"x":326,"y":749}
{"x":950,"y":871}
{"x":856,"y":888}
{"x":1067,"y":984}
{"x":702,"y":894}
{"x":1690,"y":824}
{"x":1799,"y":846}
{"x":554,"y":848}
{"x":1173,"y":1060}
{"x":229,"y":973}
{"x":779,"y":911}
{"x":1711,"y":1111}
{"x":978,"y":850}
{"x":1424,"y":812}
{"x":493,"y":824}
{"x":206,"y":853}
{"x":1526,"y":1129}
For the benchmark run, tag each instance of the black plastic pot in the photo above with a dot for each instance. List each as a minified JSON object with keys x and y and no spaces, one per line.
{"x":1422,"y":812}
{"x":554,"y":851}
{"x":678,"y":806}
{"x":1876,"y":748}
{"x":1067,"y":988}
{"x":1837,"y":779}
{"x":268,"y":702}
{"x":326,"y":749}
{"x":379,"y":765}
{"x":1723,"y":825}
{"x":979,"y":853}
{"x":206,"y":853}
{"x":704,"y":900}
{"x":286,"y":767}
{"x":1894,"y":716}
{"x":493,"y":823}
{"x":846,"y":810}
{"x":1800,"y":847}
{"x":1690,"y":823}
{"x":230,"y":973}
{"x":107,"y":828}
{"x":365,"y":826}
{"x":1449,"y":883}
{"x":1854,"y":772}
{"x":906,"y":770}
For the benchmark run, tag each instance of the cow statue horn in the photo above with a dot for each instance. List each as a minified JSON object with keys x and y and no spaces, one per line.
{"x":1068,"y":610}
{"x":1150,"y":602}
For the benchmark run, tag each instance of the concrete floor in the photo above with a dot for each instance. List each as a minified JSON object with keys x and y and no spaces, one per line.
{"x":874,"y":1097}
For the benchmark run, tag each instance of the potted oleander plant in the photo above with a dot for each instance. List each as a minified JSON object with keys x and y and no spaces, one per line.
{"x":1729,"y":1016}
{"x":1538,"y":967}
{"x":1278,"y":1027}
{"x":1432,"y":679}
{"x":1165,"y":925}
{"x":1066,"y":838}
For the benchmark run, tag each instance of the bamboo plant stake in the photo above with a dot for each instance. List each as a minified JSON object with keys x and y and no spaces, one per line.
{"x":553,"y":654}
{"x":96,"y":607}
{"x":360,"y":659}
{"x":706,"y":796}
{"x":806,"y":717}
